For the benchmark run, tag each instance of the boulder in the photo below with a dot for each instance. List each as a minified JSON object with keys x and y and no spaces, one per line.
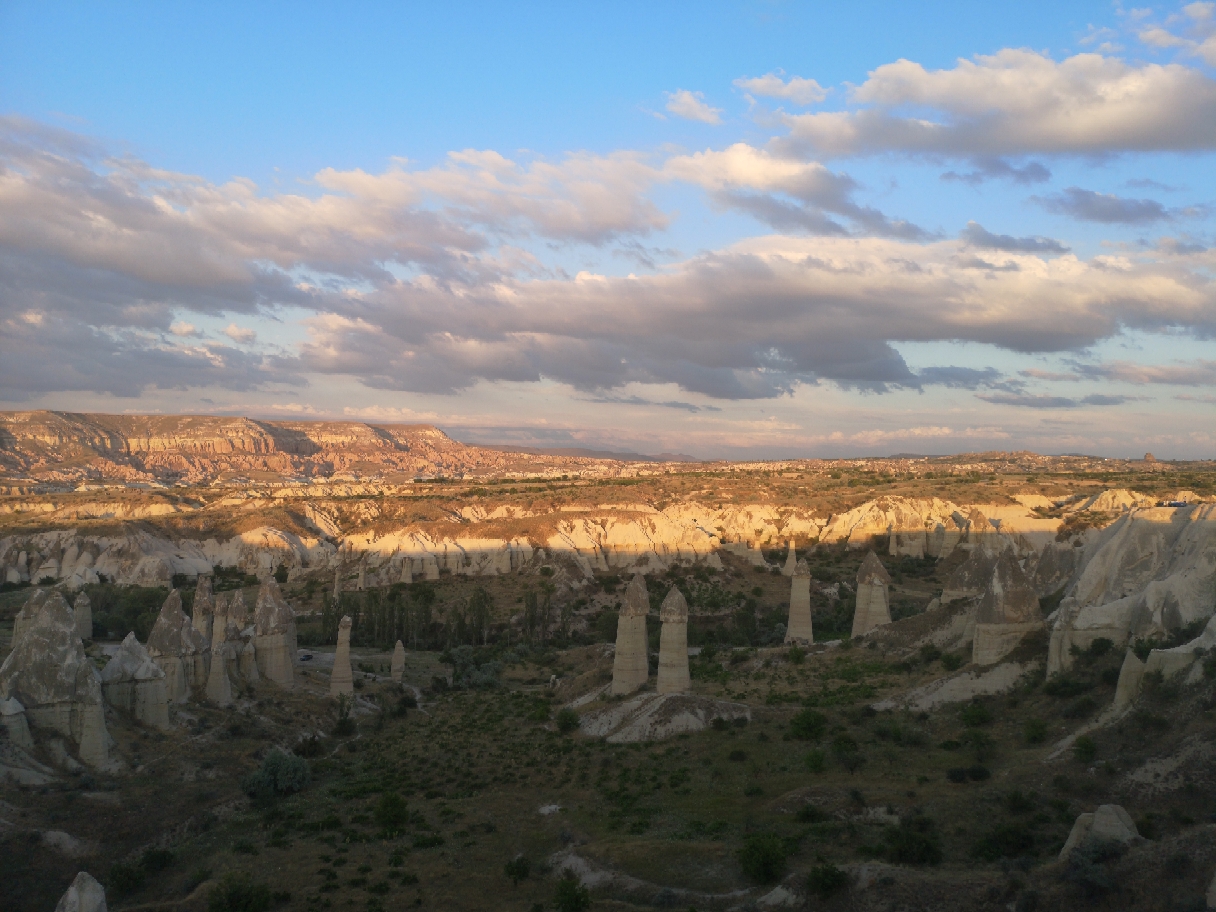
{"x":1109,"y":823}
{"x":630,"y":665}
{"x":84,"y":895}
{"x":132,"y":682}
{"x":49,"y":674}
{"x":397,"y":669}
{"x":275,"y":636}
{"x":873,"y":608}
{"x":1008,"y":610}
{"x":673,"y":645}
{"x":799,"y":628}
{"x":179,"y":649}
{"x":82,"y":608}
{"x":341,"y":679}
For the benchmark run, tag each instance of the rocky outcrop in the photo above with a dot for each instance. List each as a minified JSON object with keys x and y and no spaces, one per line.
{"x":397,"y":668}
{"x":82,"y":608}
{"x":84,"y":895}
{"x":25,"y":617}
{"x":341,"y":679}
{"x":1181,"y":662}
{"x":178,"y":649}
{"x":630,"y":666}
{"x":132,"y":682}
{"x":1110,"y":823}
{"x":911,"y":523}
{"x":1054,"y":567}
{"x":873,"y":607}
{"x":219,"y":684}
{"x":970,"y":578}
{"x":274,"y":639}
{"x":799,"y":628}
{"x":12,"y":716}
{"x":204,"y":606}
{"x":654,"y":717}
{"x":1131,"y":675}
{"x":673,"y":645}
{"x":1008,"y":610}
{"x":48,"y":673}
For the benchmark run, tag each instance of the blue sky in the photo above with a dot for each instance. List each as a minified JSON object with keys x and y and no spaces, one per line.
{"x":732,"y":229}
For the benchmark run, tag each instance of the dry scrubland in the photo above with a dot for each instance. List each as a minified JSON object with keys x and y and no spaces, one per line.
{"x":473,"y":786}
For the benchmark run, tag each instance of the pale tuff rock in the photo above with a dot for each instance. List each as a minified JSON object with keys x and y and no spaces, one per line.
{"x":799,"y":628}
{"x":1054,"y":567}
{"x":337,"y":585}
{"x":362,"y":582}
{"x":179,"y":649}
{"x":959,"y":687}
{"x":397,"y":669}
{"x":1169,"y":663}
{"x":1117,"y":500}
{"x":49,"y":674}
{"x":407,"y":571}
{"x":341,"y":679}
{"x":204,"y":606}
{"x":134,"y":683}
{"x":84,"y":895}
{"x":1008,"y":610}
{"x":980,"y":530}
{"x":630,"y":666}
{"x":239,"y":613}
{"x":873,"y":608}
{"x":791,"y":561}
{"x":1109,"y":823}
{"x":1131,"y":674}
{"x":653,"y":717}
{"x":911,"y":523}
{"x":25,"y":617}
{"x":219,"y":687}
{"x":673,"y":645}
{"x":274,"y":636}
{"x":1151,"y":571}
{"x":12,"y":716}
{"x":83,"y":609}
{"x":970,"y":578}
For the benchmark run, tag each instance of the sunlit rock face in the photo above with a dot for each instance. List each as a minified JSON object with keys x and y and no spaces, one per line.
{"x":1008,"y":610}
{"x":342,"y":680}
{"x":275,"y":635}
{"x":49,"y":674}
{"x":630,"y":666}
{"x":799,"y":628}
{"x":673,"y":674}
{"x":873,"y":607}
{"x":179,"y":649}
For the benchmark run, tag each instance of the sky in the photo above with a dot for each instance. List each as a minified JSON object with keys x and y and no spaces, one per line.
{"x":731,"y":230}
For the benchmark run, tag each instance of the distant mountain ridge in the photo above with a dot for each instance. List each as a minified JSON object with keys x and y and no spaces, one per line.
{"x":584,"y":453}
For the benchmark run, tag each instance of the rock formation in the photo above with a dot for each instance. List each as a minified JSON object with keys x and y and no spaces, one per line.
{"x":407,"y":571}
{"x":630,"y":666}
{"x":791,"y":561}
{"x":337,"y":585}
{"x":397,"y":669}
{"x":873,"y":606}
{"x":673,"y":645}
{"x":275,"y":635}
{"x":341,"y":679}
{"x":1110,"y":823}
{"x":970,"y":577}
{"x":179,"y":649}
{"x":84,"y":895}
{"x":219,"y":686}
{"x":12,"y":716}
{"x":1177,"y":662}
{"x":48,"y":673}
{"x":132,"y":682}
{"x":25,"y":617}
{"x":204,"y":606}
{"x":361,"y":584}
{"x":1008,"y":610}
{"x":83,"y":609}
{"x":799,"y":628}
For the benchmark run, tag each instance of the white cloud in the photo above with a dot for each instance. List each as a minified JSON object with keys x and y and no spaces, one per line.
{"x":239,"y":334}
{"x":182,"y":328}
{"x":796,"y":89}
{"x":692,"y":106}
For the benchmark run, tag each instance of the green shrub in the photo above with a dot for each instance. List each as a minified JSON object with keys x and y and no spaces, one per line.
{"x":826,"y":880}
{"x":571,"y":896}
{"x":518,"y":868}
{"x":1085,"y":749}
{"x":762,"y":857}
{"x":154,"y":860}
{"x":567,"y":720}
{"x":952,"y":662}
{"x":237,"y":892}
{"x":345,"y":724}
{"x":1035,"y":731}
{"x":975,"y":714}
{"x":281,"y":773}
{"x":391,"y":812}
{"x":808,"y":725}
{"x":815,"y":761}
{"x":914,"y":841}
{"x":124,"y":879}
{"x":1005,"y":841}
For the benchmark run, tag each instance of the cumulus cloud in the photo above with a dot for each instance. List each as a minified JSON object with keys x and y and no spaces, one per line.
{"x":795,"y":89}
{"x":184,"y":329}
{"x":1018,"y":102}
{"x":239,"y":334}
{"x":1107,"y":208}
{"x":976,"y":235}
{"x":987,"y":168}
{"x":692,"y":106}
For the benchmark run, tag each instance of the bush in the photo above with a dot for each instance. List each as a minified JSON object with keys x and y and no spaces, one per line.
{"x":847,"y":753}
{"x":1005,"y":841}
{"x":237,"y":892}
{"x":975,"y":714}
{"x":914,"y":841}
{"x":345,"y":724}
{"x":826,"y":880}
{"x":124,"y":879}
{"x":281,"y":773}
{"x":1085,"y":749}
{"x":1035,"y":731}
{"x":518,"y":868}
{"x":154,"y":860}
{"x":978,"y":773}
{"x":957,"y":774}
{"x":391,"y":812}
{"x":571,"y":896}
{"x":567,"y":720}
{"x":737,"y":756}
{"x":808,"y":725}
{"x":762,"y":857}
{"x":815,"y":761}
{"x":952,"y":662}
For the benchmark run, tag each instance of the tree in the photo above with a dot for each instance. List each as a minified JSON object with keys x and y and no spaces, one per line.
{"x":571,"y":896}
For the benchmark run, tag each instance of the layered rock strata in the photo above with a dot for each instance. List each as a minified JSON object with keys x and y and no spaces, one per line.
{"x":873,"y":607}
{"x":275,"y":636}
{"x":630,"y":665}
{"x":799,"y":628}
{"x":132,"y":682}
{"x":341,"y":679}
{"x":673,"y":674}
{"x":1008,"y":610}
{"x":48,"y":673}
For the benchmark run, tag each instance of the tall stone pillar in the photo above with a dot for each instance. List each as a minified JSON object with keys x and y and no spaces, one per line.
{"x":873,"y":608}
{"x":673,"y":645}
{"x":799,"y":628}
{"x":341,"y":680}
{"x":630,"y":668}
{"x":397,"y":669}
{"x":407,"y":570}
{"x":83,"y":609}
{"x":204,"y":606}
{"x":791,"y":561}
